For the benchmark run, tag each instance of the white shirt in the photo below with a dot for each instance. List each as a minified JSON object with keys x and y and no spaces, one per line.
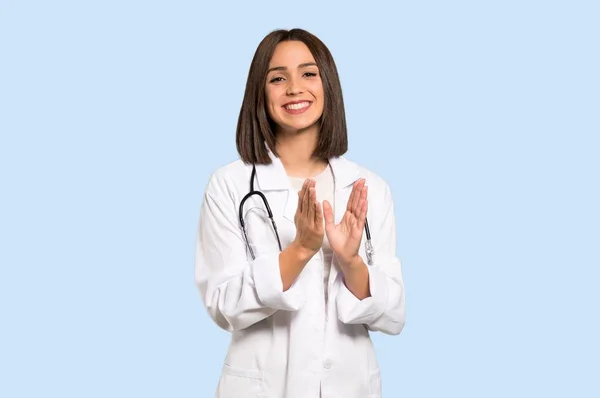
{"x":288,"y":344}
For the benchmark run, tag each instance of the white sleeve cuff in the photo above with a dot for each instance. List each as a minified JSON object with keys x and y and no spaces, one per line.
{"x":269,"y":288}
{"x":351,"y":310}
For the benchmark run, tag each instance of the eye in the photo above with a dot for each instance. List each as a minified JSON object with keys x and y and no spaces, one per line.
{"x":276,"y":79}
{"x":310,"y":74}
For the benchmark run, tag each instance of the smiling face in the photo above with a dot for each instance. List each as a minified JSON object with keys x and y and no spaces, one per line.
{"x":294,"y":90}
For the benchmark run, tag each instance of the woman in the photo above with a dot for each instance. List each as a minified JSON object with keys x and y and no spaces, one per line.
{"x":299,"y":314}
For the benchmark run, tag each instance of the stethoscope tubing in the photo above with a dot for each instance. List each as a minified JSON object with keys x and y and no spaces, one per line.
{"x":369,"y":246}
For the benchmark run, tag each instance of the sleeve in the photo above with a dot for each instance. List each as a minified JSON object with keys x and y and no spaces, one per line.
{"x":384,"y":310}
{"x":236,"y":292}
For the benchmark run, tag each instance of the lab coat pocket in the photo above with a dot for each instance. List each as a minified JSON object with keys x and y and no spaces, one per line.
{"x":240,"y":383}
{"x":375,"y":384}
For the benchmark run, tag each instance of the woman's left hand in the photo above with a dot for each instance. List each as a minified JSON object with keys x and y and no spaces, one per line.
{"x":345,"y":237}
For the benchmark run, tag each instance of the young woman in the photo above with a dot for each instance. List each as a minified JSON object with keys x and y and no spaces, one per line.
{"x":301,"y":291}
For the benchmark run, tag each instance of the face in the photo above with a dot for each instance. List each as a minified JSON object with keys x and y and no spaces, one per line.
{"x":294,"y":90}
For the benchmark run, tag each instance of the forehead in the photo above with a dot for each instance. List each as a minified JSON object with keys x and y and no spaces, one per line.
{"x":291,"y":54}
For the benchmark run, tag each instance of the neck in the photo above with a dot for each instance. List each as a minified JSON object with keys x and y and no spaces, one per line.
{"x":295,"y":152}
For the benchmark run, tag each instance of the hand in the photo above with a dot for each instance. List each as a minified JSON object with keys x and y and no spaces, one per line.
{"x":309,"y":220}
{"x":345,"y":237}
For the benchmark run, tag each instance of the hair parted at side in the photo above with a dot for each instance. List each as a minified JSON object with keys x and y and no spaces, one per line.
{"x":255,"y":133}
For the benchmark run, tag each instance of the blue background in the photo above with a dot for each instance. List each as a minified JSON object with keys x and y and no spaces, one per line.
{"x":483,"y":117}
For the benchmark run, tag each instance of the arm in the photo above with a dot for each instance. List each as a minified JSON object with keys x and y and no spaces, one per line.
{"x":236,"y":292}
{"x":292,"y":261}
{"x":383,"y":308}
{"x":356,"y":279}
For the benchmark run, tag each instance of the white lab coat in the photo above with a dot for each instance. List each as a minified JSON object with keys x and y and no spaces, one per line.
{"x":289,"y":344}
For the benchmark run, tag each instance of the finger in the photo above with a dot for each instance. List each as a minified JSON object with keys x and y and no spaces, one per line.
{"x":310,"y":208}
{"x":318,"y":216}
{"x":307,"y":195}
{"x":366,"y":197}
{"x":306,"y":186}
{"x":363,"y":192}
{"x":360,"y":193}
{"x":301,"y":198}
{"x":357,"y":196}
{"x":314,"y":203}
{"x":327,"y":214}
{"x":351,"y":198}
{"x":362,"y":216}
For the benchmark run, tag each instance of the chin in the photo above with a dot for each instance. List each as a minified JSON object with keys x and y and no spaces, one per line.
{"x":297,"y":128}
{"x":297,"y":125}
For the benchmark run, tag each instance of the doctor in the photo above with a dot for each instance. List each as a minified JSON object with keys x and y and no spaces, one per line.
{"x":298,"y":293}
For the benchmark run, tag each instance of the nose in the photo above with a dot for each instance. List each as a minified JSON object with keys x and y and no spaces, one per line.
{"x":294,"y":87}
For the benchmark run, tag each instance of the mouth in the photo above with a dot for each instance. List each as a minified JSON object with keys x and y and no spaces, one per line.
{"x":297,"y":107}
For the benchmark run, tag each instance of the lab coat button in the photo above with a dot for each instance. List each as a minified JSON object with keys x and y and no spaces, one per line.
{"x":327,"y":365}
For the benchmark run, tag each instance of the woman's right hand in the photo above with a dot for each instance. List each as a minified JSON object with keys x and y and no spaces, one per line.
{"x":309,"y":220}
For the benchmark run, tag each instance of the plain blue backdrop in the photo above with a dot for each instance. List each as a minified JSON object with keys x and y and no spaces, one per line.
{"x":483,"y":116}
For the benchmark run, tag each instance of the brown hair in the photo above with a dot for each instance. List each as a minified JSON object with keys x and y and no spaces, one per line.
{"x":255,"y":128}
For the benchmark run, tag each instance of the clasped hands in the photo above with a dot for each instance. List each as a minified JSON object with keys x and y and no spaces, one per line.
{"x":345,"y":237}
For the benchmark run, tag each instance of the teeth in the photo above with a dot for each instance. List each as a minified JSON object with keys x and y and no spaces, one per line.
{"x":297,"y":106}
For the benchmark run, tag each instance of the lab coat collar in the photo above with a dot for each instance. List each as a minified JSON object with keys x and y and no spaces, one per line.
{"x":345,"y":172}
{"x":273,"y":176}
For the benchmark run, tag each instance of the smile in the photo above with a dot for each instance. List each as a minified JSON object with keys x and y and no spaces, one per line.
{"x":297,"y":108}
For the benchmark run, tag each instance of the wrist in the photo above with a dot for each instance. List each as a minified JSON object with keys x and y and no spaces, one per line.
{"x":301,"y":253}
{"x":357,"y":281}
{"x":352,"y":264}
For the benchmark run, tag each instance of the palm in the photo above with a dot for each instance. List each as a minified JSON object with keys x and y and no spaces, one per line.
{"x":345,"y":237}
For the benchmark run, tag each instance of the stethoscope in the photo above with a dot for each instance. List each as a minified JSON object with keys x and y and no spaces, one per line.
{"x":368,"y":245}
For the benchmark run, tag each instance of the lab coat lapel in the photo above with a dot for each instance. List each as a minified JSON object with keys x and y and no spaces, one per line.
{"x":345,"y":173}
{"x":272,"y":177}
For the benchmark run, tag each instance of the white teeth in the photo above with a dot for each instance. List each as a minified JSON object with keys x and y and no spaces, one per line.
{"x":297,"y":106}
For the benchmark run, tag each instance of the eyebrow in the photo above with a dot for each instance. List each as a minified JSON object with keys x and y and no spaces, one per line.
{"x":304,"y":65}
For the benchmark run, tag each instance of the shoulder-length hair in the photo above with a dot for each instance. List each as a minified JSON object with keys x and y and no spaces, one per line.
{"x":255,"y":133}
